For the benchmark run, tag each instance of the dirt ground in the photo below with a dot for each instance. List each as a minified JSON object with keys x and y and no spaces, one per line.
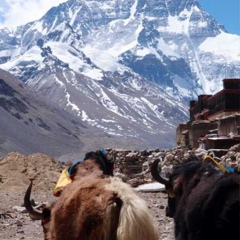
{"x":15,"y":172}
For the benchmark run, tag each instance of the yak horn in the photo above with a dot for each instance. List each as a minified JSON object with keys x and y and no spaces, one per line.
{"x":33,"y":213}
{"x":156,"y":175}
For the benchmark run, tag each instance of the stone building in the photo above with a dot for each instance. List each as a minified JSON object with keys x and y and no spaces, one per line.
{"x":214,"y":119}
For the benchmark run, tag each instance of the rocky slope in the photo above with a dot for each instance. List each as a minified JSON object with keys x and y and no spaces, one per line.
{"x":30,"y":124}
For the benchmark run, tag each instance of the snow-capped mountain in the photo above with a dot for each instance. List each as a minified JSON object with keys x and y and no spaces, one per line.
{"x":127,"y":67}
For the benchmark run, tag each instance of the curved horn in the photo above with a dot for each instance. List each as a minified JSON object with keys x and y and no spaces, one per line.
{"x":33,"y":213}
{"x":156,"y":175}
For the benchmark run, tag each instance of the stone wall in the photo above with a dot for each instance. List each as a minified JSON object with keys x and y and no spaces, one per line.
{"x":134,"y":166}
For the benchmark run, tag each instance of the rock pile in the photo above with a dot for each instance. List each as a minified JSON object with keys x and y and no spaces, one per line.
{"x":232,"y":158}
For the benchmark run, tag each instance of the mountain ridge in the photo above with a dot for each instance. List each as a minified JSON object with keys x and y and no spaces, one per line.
{"x":127,"y":68}
{"x":29,"y":124}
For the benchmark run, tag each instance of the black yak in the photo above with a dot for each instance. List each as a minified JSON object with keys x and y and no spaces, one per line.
{"x":202,"y":200}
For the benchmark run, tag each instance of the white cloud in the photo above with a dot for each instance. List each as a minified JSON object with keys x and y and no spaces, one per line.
{"x":18,"y":12}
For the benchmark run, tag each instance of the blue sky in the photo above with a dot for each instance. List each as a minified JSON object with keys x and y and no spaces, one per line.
{"x":227,"y":12}
{"x":17,"y":12}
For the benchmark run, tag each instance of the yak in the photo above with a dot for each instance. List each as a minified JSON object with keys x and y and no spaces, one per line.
{"x":95,"y":206}
{"x":202,"y":200}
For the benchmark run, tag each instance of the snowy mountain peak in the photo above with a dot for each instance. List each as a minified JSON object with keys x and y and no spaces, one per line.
{"x":127,"y":67}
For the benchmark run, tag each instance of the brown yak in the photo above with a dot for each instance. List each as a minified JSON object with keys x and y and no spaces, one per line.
{"x":95,"y":207}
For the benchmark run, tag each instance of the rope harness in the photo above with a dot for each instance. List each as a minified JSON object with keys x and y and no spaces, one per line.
{"x":220,"y":166}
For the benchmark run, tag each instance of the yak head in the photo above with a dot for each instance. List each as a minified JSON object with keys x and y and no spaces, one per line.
{"x":177,"y":183}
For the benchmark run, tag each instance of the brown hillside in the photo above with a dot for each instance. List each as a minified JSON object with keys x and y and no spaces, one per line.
{"x":16,"y":170}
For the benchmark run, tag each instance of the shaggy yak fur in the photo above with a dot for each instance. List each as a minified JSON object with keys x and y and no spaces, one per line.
{"x":96,"y":207}
{"x":203,"y":201}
